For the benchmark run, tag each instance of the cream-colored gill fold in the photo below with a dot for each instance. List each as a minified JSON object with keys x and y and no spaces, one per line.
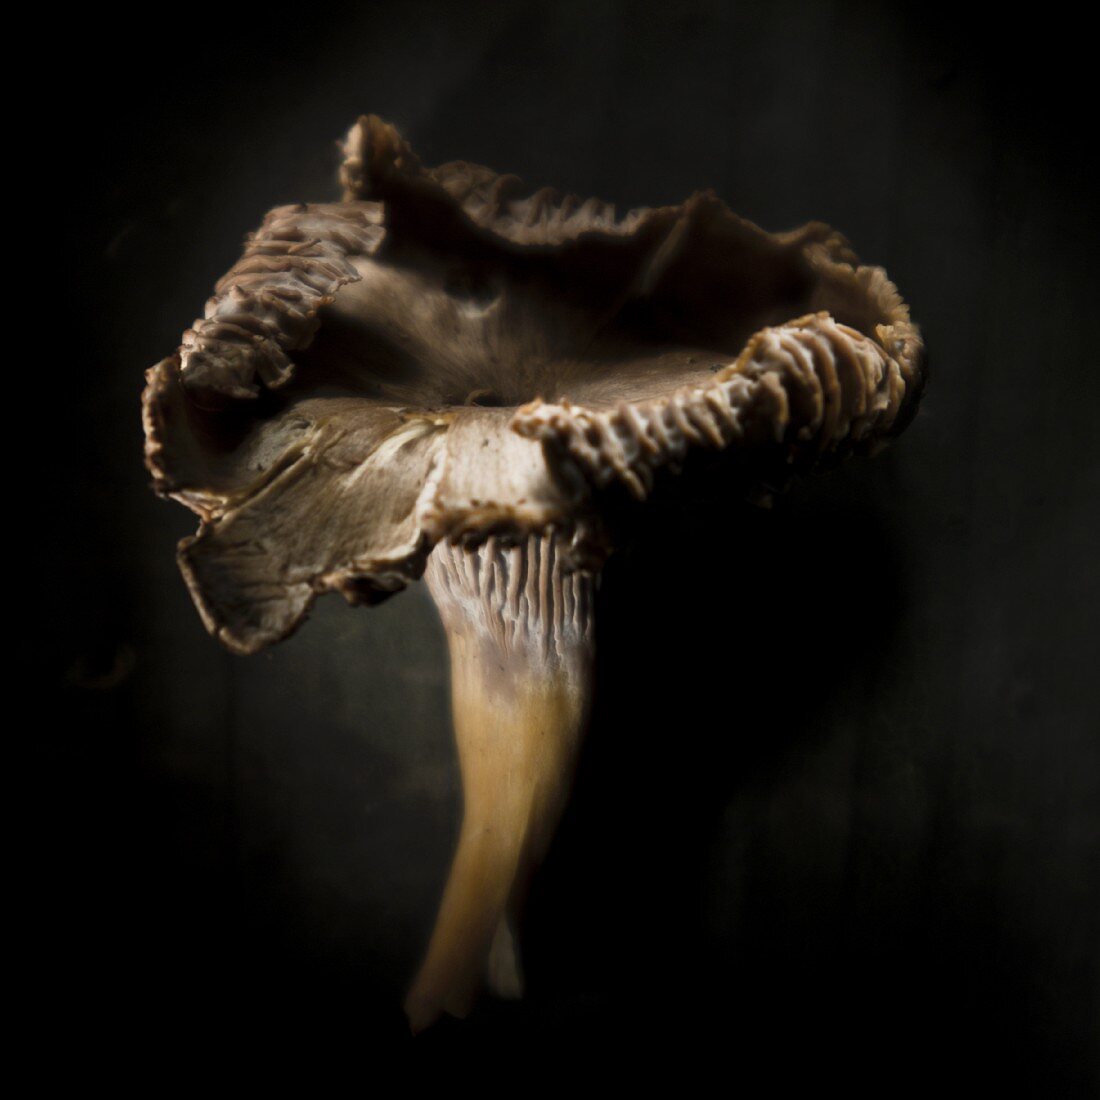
{"x":267,"y":305}
{"x":809,"y":390}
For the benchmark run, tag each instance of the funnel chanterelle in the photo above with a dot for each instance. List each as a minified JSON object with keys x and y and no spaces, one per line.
{"x":442,"y":376}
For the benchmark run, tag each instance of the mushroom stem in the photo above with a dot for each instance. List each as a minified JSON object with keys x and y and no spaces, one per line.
{"x":519,"y":630}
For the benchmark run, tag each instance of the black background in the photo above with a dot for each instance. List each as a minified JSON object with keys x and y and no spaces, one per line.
{"x":838,"y":822}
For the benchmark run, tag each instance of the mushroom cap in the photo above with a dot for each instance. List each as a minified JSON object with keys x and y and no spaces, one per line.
{"x":441,"y":355}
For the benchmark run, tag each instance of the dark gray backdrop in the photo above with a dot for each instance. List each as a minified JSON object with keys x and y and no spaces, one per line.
{"x":838,"y":817}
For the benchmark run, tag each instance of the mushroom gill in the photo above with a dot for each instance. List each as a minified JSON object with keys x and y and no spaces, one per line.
{"x":442,"y":375}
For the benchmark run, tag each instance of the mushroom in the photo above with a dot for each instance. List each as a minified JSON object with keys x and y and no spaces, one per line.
{"x":444,"y":376}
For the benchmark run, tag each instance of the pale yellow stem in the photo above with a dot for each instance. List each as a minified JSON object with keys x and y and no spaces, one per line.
{"x":520,"y":639}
